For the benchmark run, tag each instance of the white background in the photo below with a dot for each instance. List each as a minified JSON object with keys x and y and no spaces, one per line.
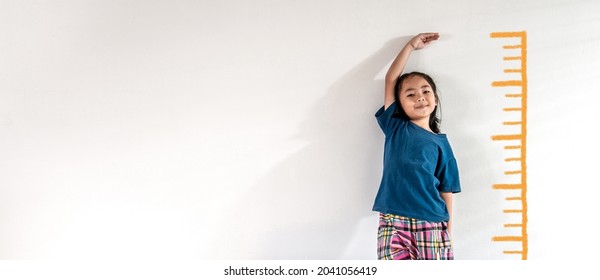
{"x":219,"y":130}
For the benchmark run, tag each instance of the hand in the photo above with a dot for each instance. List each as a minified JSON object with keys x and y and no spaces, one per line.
{"x":423,"y":39}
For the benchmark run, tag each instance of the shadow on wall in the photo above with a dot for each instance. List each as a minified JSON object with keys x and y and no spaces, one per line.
{"x":317,"y":203}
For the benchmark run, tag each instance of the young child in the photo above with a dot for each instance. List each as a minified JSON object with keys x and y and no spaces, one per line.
{"x":420,"y":173}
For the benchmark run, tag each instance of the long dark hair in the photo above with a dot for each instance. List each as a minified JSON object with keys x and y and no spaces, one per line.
{"x":434,"y":121}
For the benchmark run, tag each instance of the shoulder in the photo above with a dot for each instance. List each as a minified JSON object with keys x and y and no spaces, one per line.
{"x":386,"y":117}
{"x":386,"y":110}
{"x":444,"y":145}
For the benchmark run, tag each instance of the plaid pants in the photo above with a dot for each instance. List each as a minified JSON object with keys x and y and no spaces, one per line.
{"x":402,"y":238}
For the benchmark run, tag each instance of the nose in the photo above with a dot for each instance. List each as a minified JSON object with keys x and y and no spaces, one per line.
{"x":421,"y":99}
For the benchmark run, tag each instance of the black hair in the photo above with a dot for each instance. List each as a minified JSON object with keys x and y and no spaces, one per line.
{"x":434,"y":121}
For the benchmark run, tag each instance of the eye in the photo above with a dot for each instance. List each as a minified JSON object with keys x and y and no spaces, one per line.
{"x":427,"y":91}
{"x":410,"y":95}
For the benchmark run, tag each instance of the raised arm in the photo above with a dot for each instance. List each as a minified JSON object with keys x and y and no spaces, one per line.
{"x":416,"y":43}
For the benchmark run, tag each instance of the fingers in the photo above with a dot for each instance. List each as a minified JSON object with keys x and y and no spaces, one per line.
{"x":430,"y":34}
{"x":428,"y":37}
{"x":423,"y":39}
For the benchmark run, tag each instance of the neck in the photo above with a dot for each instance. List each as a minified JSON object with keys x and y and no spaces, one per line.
{"x":423,"y":123}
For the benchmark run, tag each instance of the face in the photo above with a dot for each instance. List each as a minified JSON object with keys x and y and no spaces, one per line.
{"x":417,"y":98}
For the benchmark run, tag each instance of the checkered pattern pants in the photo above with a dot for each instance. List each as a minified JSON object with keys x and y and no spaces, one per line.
{"x":402,"y":238}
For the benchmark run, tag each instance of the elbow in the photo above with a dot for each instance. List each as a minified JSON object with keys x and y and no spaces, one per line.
{"x":389,"y":77}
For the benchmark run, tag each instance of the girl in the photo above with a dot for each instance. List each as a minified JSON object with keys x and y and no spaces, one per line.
{"x":420,"y":173}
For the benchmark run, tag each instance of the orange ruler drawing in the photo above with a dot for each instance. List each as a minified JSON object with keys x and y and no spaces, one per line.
{"x":514,"y":87}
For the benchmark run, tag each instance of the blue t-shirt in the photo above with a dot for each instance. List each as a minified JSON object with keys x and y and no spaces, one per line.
{"x":417,"y":165}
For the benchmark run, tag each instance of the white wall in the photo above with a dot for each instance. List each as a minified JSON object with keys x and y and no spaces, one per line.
{"x":245,"y":129}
